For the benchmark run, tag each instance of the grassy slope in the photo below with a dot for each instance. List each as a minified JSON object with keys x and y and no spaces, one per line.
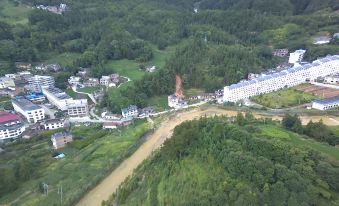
{"x":13,"y":14}
{"x":297,"y":140}
{"x":81,"y":168}
{"x":130,"y":68}
{"x":63,"y":59}
{"x":88,"y":89}
{"x":283,"y":98}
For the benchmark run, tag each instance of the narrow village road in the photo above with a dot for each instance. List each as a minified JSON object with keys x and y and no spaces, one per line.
{"x":110,"y":184}
{"x":74,"y":88}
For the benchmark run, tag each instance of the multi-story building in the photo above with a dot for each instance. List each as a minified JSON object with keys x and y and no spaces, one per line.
{"x":32,"y":112}
{"x":333,"y":79}
{"x":77,"y":108}
{"x":176,"y":102}
{"x":285,"y":78}
{"x":280,"y":52}
{"x":57,"y":97}
{"x":115,"y":78}
{"x":91,"y":82}
{"x":73,"y":80}
{"x":60,"y":139}
{"x":296,"y":56}
{"x":36,"y":83}
{"x":11,"y":126}
{"x":105,"y":81}
{"x":130,"y":111}
{"x":325,"y":104}
{"x":52,"y":124}
{"x":6,"y":82}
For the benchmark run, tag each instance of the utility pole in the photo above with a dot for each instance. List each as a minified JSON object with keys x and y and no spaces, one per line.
{"x":45,"y":186}
{"x":61,"y":193}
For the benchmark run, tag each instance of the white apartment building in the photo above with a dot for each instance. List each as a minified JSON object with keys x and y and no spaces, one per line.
{"x":325,"y":104}
{"x":286,"y":78}
{"x":77,"y":107}
{"x":37,"y":82}
{"x":105,"y":81}
{"x":11,"y":126}
{"x":296,"y":56}
{"x":130,"y":111}
{"x":32,"y":112}
{"x":73,"y":80}
{"x":57,"y":97}
{"x":6,"y":82}
{"x":334,"y":79}
{"x":52,"y":124}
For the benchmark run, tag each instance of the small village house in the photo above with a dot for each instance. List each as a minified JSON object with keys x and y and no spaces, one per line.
{"x":60,"y":139}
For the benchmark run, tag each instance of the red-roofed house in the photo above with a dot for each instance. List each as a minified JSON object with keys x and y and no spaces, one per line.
{"x":11,"y":126}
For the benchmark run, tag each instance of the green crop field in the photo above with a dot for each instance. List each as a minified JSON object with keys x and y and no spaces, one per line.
{"x":159,"y":102}
{"x":284,"y":98}
{"x":125,"y":67}
{"x":193,"y":92}
{"x":89,"y":158}
{"x":14,"y":13}
{"x":88,"y":90}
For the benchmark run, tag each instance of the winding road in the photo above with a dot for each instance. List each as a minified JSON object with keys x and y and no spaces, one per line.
{"x":110,"y":184}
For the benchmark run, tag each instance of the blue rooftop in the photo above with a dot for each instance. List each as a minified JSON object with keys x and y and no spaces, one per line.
{"x":330,"y":100}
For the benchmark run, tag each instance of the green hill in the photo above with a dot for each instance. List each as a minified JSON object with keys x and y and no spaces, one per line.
{"x":213,"y":162}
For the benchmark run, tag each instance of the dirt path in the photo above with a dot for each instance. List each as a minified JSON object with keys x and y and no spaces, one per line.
{"x":109,"y":185}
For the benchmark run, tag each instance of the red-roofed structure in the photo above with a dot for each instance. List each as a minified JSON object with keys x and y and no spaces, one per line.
{"x":7,"y":117}
{"x":11,"y":126}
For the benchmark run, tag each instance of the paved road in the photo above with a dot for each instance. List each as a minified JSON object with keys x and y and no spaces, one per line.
{"x":128,"y":80}
{"x":110,"y":184}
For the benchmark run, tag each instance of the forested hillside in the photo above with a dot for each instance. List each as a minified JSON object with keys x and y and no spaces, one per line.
{"x":212,"y":161}
{"x":217,"y":46}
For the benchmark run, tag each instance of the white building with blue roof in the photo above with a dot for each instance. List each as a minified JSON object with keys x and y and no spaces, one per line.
{"x":325,"y":104}
{"x":286,"y":78}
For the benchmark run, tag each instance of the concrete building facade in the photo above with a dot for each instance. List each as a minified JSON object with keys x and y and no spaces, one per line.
{"x":37,"y":82}
{"x":32,"y":112}
{"x":325,"y":104}
{"x":60,"y":139}
{"x":296,"y":56}
{"x":77,"y":107}
{"x":11,"y":126}
{"x":57,"y":97}
{"x":286,"y":78}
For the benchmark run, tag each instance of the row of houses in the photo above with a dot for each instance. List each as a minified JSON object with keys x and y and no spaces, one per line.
{"x":107,"y":81}
{"x":285,"y":78}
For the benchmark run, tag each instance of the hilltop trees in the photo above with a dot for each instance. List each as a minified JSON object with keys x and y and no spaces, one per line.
{"x":212,"y":162}
{"x":316,"y":130}
{"x":292,"y":123}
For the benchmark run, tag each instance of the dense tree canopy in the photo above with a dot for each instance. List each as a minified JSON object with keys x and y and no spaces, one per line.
{"x":214,"y":162}
{"x":218,"y":45}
